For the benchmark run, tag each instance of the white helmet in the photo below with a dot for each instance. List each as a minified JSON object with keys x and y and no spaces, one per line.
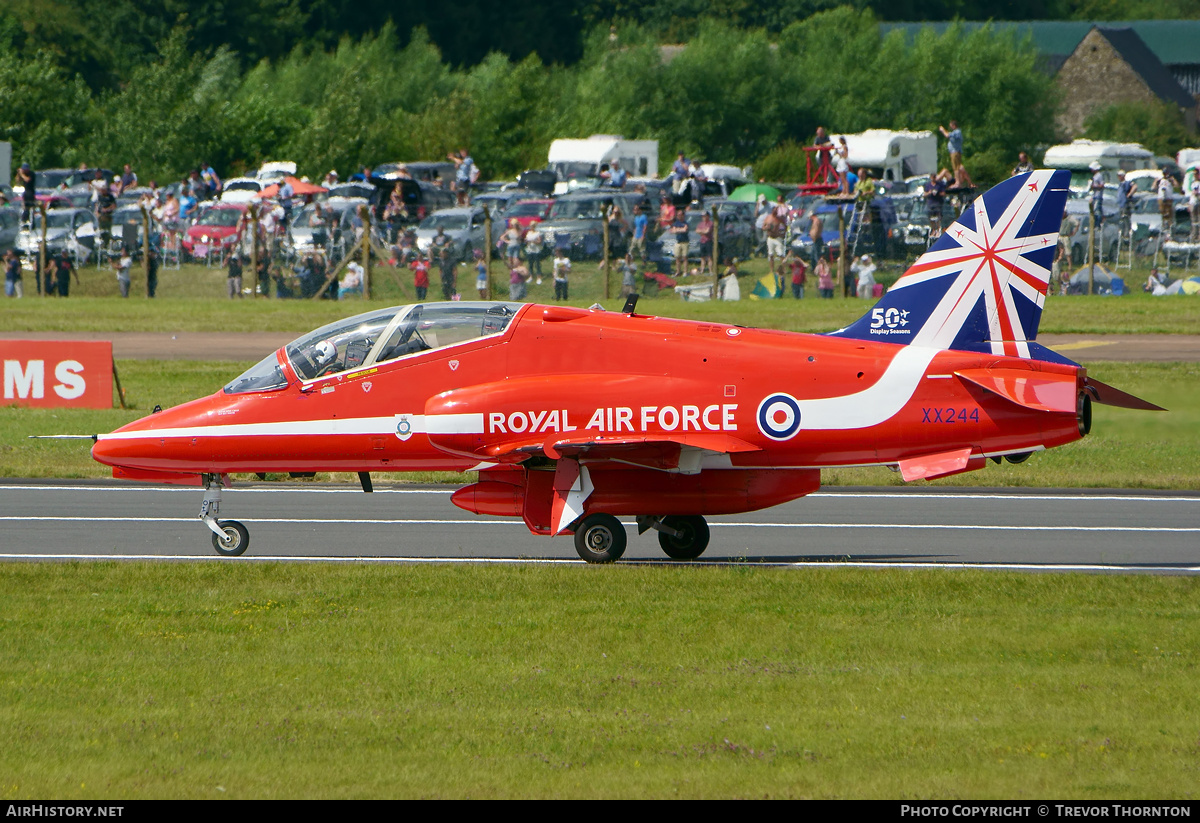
{"x":325,"y":352}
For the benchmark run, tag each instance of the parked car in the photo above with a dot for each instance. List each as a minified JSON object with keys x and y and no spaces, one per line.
{"x":439,"y":173}
{"x":331,"y":230}
{"x":1147,"y":217}
{"x":241,"y":190}
{"x":353,"y":189}
{"x":216,"y":229}
{"x":1107,"y":232}
{"x":527,"y":212}
{"x":735,"y":235}
{"x":69,"y":229}
{"x":912,"y":218}
{"x":576,"y":222}
{"x":269,"y":173}
{"x":880,"y":237}
{"x":464,"y":225}
{"x":420,"y":197}
{"x":500,"y":199}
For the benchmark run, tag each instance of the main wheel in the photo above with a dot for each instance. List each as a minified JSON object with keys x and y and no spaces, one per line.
{"x":235,"y":540}
{"x":692,"y":539}
{"x":600,"y":538}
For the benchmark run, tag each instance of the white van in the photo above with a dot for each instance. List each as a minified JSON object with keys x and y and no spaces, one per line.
{"x":577,"y":163}
{"x":1077,"y":156}
{"x":892,"y":155}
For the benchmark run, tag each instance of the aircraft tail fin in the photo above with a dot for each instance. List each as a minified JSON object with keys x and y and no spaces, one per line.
{"x":981,"y":287}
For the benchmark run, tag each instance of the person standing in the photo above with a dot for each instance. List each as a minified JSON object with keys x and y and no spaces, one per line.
{"x":1125,"y":191}
{"x":773,"y":230}
{"x":704,"y":231}
{"x":954,"y":145}
{"x":798,"y":274}
{"x":234,"y":274}
{"x":12,"y":274}
{"x":640,"y":222}
{"x":841,"y":164}
{"x":420,"y":267}
{"x":562,"y":271}
{"x":25,"y":178}
{"x":824,"y":279}
{"x":518,"y":277}
{"x":1166,"y":205}
{"x":864,"y":269}
{"x":151,"y":272}
{"x":628,"y":276}
{"x":65,"y":269}
{"x":1096,"y":187}
{"x":816,"y":233}
{"x":446,"y":264}
{"x":128,"y":180}
{"x":535,"y":249}
{"x":464,"y":172}
{"x":680,"y":229}
{"x":122,"y":265}
{"x":1193,"y":195}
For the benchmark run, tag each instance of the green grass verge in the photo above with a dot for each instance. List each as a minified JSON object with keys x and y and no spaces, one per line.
{"x":235,"y":680}
{"x":1128,"y":449}
{"x":193,"y":299}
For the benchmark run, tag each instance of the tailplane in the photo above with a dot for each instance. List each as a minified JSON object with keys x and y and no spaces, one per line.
{"x":982,"y":285}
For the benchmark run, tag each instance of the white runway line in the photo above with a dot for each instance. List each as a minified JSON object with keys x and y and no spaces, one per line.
{"x":715,"y":524}
{"x":912,"y":495}
{"x":1064,"y":567}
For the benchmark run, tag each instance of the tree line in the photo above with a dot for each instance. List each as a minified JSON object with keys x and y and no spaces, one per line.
{"x":732,"y":95}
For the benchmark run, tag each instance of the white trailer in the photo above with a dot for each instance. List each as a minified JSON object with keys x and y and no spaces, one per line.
{"x":579,"y":161}
{"x":892,"y":155}
{"x":1079,"y":155}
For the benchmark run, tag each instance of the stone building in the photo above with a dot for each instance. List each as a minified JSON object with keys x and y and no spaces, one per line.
{"x":1111,"y":66}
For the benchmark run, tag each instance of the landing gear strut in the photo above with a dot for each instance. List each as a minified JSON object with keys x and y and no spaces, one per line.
{"x":229,"y":537}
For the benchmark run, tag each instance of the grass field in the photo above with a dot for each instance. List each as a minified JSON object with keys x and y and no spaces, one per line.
{"x":235,"y":680}
{"x":1128,"y":449}
{"x":193,"y":299}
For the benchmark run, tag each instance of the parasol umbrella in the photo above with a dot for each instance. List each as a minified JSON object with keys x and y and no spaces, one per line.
{"x":299,"y":188}
{"x":1190,"y":286}
{"x":750,"y":192}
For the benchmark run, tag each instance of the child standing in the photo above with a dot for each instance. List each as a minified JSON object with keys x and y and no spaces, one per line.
{"x":824,"y":279}
{"x":799,"y":271}
{"x":562,"y":269}
{"x":420,"y":267}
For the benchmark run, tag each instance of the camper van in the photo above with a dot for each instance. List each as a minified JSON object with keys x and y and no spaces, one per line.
{"x":893,"y":155}
{"x":578,"y":163}
{"x":1112,"y":157}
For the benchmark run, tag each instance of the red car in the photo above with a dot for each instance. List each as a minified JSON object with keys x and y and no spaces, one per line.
{"x":527,"y":212}
{"x":216,"y":230}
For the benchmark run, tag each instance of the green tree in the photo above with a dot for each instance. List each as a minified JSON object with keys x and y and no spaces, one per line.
{"x":1157,"y":126}
{"x":42,"y":110}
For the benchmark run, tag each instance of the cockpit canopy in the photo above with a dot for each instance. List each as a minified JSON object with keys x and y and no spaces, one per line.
{"x":378,"y":337}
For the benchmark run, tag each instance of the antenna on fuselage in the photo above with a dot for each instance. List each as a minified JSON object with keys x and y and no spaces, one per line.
{"x":630,"y":304}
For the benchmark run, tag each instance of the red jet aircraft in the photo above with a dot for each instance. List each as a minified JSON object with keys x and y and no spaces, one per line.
{"x":574,"y":416}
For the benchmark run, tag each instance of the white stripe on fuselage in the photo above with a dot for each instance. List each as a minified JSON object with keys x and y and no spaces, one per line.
{"x":418,"y":424}
{"x":875,"y":404}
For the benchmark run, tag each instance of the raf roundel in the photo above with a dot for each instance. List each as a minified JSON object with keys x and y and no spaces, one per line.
{"x":779,"y":416}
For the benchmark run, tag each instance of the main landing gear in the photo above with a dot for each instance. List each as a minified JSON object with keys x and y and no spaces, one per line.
{"x":229,"y":537}
{"x":600,"y":538}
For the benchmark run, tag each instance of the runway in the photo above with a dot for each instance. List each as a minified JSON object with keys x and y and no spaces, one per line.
{"x":1042,"y":530}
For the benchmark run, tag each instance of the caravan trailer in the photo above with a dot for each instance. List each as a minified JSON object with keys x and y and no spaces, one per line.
{"x":893,"y":155}
{"x":1077,"y":156}
{"x":577,"y":163}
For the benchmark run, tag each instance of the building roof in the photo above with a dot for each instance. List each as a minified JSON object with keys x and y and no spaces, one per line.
{"x":1173,"y":42}
{"x":1149,"y":67}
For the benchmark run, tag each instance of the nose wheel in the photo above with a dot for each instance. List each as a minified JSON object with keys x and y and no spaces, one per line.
{"x":229,"y":537}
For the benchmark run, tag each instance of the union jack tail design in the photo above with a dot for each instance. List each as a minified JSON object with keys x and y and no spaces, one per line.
{"x":982,"y":285}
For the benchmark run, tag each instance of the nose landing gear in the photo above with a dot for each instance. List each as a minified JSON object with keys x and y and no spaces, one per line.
{"x":229,"y":537}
